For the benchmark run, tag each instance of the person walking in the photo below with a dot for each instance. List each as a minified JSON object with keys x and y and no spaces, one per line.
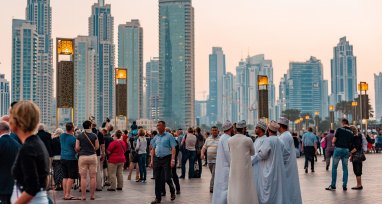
{"x":357,"y":157}
{"x":116,"y":152}
{"x":210,"y":148}
{"x":293,"y":192}
{"x":268,"y":164}
{"x":162,"y":160}
{"x":141,"y":149}
{"x":31,"y":168}
{"x":223,"y":160}
{"x":342,"y":140}
{"x":56,"y":163}
{"x":329,"y":148}
{"x":68,"y":160}
{"x":309,"y":141}
{"x":199,"y":145}
{"x":240,"y":174}
{"x":189,"y":153}
{"x":100,"y":156}
{"x":8,"y":152}
{"x":86,"y":146}
{"x":133,"y":155}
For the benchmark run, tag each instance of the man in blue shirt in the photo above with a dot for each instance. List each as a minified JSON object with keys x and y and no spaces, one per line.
{"x":309,"y":143}
{"x":162,"y":160}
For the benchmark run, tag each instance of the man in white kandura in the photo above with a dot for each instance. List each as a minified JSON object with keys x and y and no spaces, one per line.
{"x":223,"y":160}
{"x":293,"y":192}
{"x":269,"y":164}
{"x":241,"y":188}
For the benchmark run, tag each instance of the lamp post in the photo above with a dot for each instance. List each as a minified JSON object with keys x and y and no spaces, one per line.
{"x":316,"y":118}
{"x":262,"y":83}
{"x":354,"y":104}
{"x":121,"y":95}
{"x":331,"y":108}
{"x":363,"y":87}
{"x":307,"y":118}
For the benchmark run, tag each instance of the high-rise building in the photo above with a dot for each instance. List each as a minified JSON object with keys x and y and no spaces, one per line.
{"x":176,"y":63}
{"x":228,"y":99}
{"x":101,"y":26}
{"x":305,"y":86}
{"x":247,"y":88}
{"x":130,"y":56}
{"x":24,"y":60}
{"x":201,"y":112}
{"x":344,"y":73}
{"x":85,"y":66}
{"x":39,"y":13}
{"x":4,"y":96}
{"x":324,"y":113}
{"x":216,"y":78}
{"x":152,"y":91}
{"x":378,"y":96}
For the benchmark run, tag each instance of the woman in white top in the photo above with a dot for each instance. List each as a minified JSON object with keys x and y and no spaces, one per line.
{"x":142,"y":154}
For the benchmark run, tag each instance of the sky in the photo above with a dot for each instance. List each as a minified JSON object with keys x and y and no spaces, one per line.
{"x":283,"y":30}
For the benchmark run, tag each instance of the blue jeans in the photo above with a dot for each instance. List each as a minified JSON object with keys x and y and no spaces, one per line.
{"x":188,"y":155}
{"x":142,"y":166}
{"x":343,"y":155}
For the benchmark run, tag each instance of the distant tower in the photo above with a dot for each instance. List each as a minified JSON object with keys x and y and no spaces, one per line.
{"x":176,"y":63}
{"x":378,"y":96}
{"x":4,"y":96}
{"x":344,"y":73}
{"x":152,"y":91}
{"x":101,"y":26}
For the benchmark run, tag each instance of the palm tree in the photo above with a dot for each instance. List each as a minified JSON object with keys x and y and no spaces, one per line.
{"x":292,"y":115}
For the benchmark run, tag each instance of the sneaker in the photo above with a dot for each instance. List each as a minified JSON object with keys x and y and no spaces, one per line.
{"x":312,"y":170}
{"x":173,"y":196}
{"x":327,"y":168}
{"x":306,"y":170}
{"x":119,"y":189}
{"x":330,"y":188}
{"x":155,"y":201}
{"x":344,"y":188}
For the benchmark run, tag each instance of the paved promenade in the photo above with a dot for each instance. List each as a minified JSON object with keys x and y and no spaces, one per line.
{"x":312,"y":187}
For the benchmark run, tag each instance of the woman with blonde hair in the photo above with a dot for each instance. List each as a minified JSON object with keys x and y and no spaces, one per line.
{"x":30,"y":169}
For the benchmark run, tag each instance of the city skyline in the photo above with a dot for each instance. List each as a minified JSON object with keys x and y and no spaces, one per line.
{"x":358,"y":22}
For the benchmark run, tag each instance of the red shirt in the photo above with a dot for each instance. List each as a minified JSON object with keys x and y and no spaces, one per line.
{"x":116,"y":151}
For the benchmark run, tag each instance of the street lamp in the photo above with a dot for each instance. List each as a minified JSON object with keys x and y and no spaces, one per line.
{"x":354,"y":104}
{"x":331,"y":108}
{"x":316,"y":118}
{"x":363,"y":87}
{"x":121,"y":95}
{"x":262,"y":83}
{"x":307,"y":117}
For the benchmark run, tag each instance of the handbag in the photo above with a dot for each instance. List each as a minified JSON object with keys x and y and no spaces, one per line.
{"x":359,"y":156}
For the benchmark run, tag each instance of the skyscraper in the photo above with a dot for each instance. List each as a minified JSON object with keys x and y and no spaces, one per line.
{"x":305,"y":86}
{"x":130,"y":56}
{"x":24,"y":60}
{"x":216,"y":76}
{"x":378,"y":96}
{"x":101,"y":26}
{"x":228,"y":99}
{"x":344,"y":73}
{"x":324,"y":113}
{"x":85,"y":66}
{"x":39,"y":13}
{"x":4,"y":95}
{"x":152,"y":91}
{"x":176,"y":63}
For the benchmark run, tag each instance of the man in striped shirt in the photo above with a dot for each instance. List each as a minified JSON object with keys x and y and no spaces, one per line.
{"x":211,"y":146}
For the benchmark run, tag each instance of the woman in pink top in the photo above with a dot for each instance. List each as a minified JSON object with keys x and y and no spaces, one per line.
{"x":116,"y":152}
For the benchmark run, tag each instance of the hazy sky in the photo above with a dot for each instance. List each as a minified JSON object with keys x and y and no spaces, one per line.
{"x":283,"y":30}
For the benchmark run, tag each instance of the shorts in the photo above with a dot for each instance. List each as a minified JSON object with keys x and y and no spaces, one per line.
{"x":69,"y":169}
{"x":88,"y":163}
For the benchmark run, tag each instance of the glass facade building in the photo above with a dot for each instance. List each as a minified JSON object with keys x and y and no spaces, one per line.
{"x":4,"y":96}
{"x":85,"y":65}
{"x":101,"y":26}
{"x":152,"y":91}
{"x":304,"y":86}
{"x":343,"y":72}
{"x":176,"y":63}
{"x":216,"y":76}
{"x":378,"y":96}
{"x":130,"y":56}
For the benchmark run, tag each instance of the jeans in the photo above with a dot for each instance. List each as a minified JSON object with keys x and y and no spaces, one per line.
{"x":343,"y":155}
{"x":188,"y":155}
{"x":115,"y":171}
{"x":211,"y":166}
{"x":142,"y":166}
{"x":99,"y":178}
{"x":200,"y":164}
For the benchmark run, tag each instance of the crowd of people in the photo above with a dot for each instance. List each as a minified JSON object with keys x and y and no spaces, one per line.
{"x":93,"y":159}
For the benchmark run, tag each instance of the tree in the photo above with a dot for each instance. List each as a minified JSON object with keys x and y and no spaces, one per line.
{"x":324,"y":125}
{"x":292,"y":115}
{"x":344,"y":107}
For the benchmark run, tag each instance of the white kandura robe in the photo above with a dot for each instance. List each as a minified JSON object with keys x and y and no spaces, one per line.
{"x":241,"y":188}
{"x":223,"y":160}
{"x":292,"y":180}
{"x":268,"y":164}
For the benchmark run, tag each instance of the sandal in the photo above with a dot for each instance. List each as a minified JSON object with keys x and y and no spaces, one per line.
{"x":72,"y":198}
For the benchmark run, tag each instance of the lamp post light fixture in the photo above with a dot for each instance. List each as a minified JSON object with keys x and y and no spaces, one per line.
{"x":354,"y":104}
{"x":307,"y":118}
{"x":262,"y":83}
{"x":331,"y":108}
{"x":363,"y":87}
{"x":316,"y":118}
